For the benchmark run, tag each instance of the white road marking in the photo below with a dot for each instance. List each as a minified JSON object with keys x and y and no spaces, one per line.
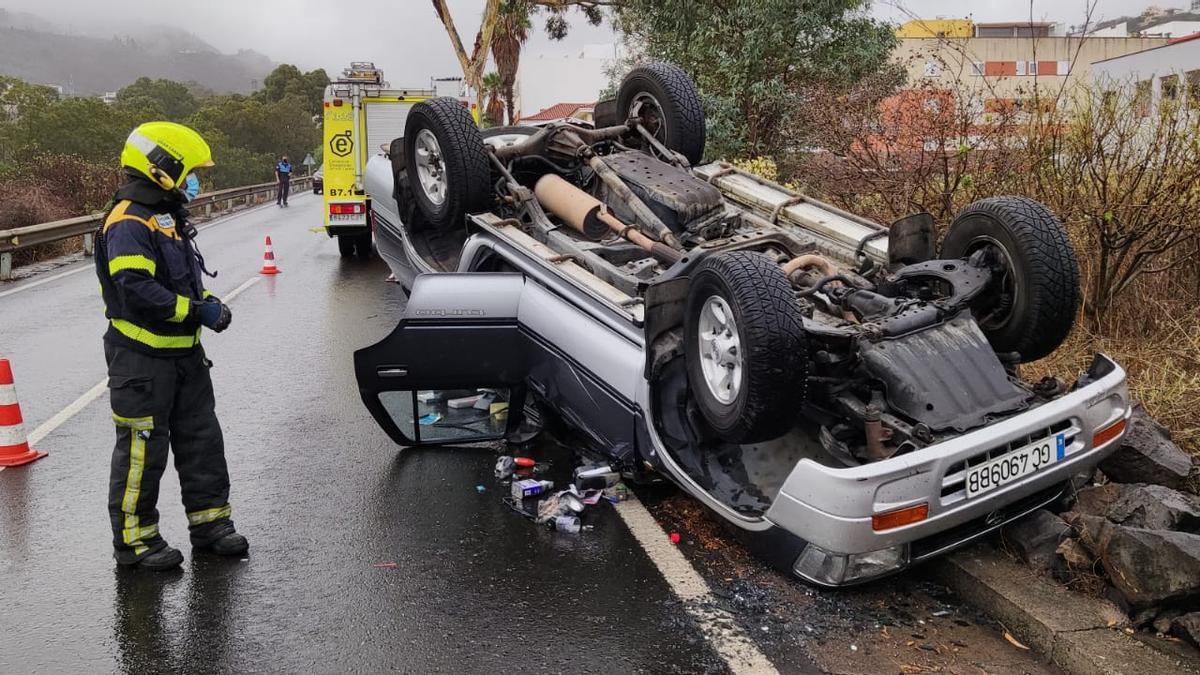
{"x":48,"y":427}
{"x":739,"y":652}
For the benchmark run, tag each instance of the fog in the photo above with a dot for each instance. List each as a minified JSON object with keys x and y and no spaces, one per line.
{"x":405,"y":38}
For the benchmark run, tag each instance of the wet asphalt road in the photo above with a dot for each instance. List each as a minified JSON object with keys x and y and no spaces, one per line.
{"x":365,"y":557}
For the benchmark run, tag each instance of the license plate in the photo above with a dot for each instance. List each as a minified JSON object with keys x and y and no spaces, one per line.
{"x":347,"y":218}
{"x":1016,"y":464}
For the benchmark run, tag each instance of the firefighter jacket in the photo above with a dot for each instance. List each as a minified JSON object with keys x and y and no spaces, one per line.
{"x":150,"y":271}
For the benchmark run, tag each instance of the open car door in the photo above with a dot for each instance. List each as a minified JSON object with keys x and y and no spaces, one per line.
{"x":454,"y":368}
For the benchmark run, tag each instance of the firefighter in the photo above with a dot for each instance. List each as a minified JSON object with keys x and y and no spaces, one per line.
{"x":162,"y":395}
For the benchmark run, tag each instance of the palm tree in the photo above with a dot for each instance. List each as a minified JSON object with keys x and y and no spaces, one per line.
{"x":511,"y":31}
{"x":493,"y":89}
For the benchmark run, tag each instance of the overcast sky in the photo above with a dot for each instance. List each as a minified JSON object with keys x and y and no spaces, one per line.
{"x":406,"y":40}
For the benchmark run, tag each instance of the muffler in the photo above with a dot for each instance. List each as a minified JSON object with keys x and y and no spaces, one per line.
{"x":586,"y":214}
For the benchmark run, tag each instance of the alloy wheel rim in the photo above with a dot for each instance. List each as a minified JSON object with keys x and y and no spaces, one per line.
{"x":720,"y":350}
{"x":431,"y":170}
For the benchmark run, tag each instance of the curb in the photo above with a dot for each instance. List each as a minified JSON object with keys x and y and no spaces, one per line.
{"x":1074,"y":631}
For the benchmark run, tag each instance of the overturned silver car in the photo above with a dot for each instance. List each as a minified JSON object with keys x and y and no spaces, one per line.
{"x":846,"y":394}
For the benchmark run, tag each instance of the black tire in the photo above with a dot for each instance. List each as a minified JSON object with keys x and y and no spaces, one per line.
{"x":1032,"y":310}
{"x":363,"y":246}
{"x":345,"y":245}
{"x":682,"y":117}
{"x":463,"y":161}
{"x":774,"y":368}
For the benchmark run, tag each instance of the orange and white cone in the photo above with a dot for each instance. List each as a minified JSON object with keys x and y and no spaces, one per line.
{"x":14,"y":448}
{"x":269,"y":260}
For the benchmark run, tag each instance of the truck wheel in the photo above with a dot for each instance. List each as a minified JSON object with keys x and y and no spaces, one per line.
{"x":745,"y":347}
{"x":446,"y":162}
{"x":345,"y":245}
{"x":1032,"y":307}
{"x":362,"y":246}
{"x":666,"y":100}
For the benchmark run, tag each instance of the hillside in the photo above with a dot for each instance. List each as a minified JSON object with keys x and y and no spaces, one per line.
{"x":32,"y":51}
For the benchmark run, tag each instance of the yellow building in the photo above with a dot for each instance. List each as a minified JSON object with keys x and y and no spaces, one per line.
{"x":934,"y":28}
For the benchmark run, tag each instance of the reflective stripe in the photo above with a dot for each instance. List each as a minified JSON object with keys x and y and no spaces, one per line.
{"x":182,"y":306}
{"x":209,"y":515}
{"x":131,"y":262}
{"x":206,"y":294}
{"x":132,"y":534}
{"x":119,"y":213}
{"x":139,"y":334}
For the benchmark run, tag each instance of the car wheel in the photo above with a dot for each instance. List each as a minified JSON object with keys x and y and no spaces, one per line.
{"x":745,"y":347}
{"x":446,"y":162}
{"x":665,"y":98}
{"x":1031,"y":309}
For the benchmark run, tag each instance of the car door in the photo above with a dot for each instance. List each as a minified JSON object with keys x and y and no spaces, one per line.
{"x":454,"y":367}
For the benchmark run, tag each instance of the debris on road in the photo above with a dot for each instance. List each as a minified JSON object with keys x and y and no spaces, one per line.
{"x":481,"y":488}
{"x":390,"y":564}
{"x":675,"y":538}
{"x":1014,"y":641}
{"x":562,"y":510}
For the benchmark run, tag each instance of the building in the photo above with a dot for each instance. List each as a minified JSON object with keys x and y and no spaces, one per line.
{"x":1002,"y":62}
{"x":559,"y":112}
{"x":1165,"y":72}
{"x":548,"y":78}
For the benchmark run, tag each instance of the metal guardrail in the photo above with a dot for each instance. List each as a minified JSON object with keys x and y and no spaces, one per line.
{"x":206,"y":206}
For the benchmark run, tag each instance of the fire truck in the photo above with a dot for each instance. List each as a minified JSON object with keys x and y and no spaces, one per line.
{"x":363,"y":114}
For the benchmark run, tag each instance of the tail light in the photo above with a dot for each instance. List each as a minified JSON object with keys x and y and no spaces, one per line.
{"x":346,"y":209}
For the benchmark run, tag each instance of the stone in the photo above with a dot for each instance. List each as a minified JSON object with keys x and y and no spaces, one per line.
{"x":1155,"y":507}
{"x":1088,"y":528}
{"x":1075,"y":555}
{"x":1151,"y":568}
{"x":1162,"y":622}
{"x":1147,"y":455}
{"x":1036,"y":538}
{"x":1095,"y":500}
{"x":1187,"y":627}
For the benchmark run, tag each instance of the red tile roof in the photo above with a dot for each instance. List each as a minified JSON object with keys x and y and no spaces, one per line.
{"x":556,"y":112}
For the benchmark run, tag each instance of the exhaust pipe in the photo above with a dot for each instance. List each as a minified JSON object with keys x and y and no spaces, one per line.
{"x":586,"y":215}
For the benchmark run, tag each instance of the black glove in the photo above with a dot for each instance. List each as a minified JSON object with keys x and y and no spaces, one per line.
{"x":214,"y":314}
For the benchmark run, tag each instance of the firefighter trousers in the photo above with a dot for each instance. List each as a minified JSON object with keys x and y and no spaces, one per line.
{"x":160,"y":403}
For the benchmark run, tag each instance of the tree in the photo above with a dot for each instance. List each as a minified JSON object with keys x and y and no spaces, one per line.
{"x":174,"y":99}
{"x":18,"y":97}
{"x":493,"y":88}
{"x":286,"y":81}
{"x":512,"y":29}
{"x":556,"y":26}
{"x":754,"y":61}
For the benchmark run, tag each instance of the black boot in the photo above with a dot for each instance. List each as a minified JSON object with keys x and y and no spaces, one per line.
{"x":220,"y":538}
{"x":160,"y":558}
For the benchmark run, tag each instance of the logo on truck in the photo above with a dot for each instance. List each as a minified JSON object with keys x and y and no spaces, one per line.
{"x":341,"y":145}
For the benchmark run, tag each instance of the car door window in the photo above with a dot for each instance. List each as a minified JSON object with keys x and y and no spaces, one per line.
{"x":448,"y":415}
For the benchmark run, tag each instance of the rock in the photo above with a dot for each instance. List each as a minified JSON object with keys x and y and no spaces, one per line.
{"x":1140,"y":619}
{"x":1155,"y":507}
{"x":1095,"y":500}
{"x":1187,"y":627}
{"x":1075,"y":555}
{"x":1162,"y":622}
{"x":1151,"y":567}
{"x":1036,"y":538}
{"x":1147,"y":455}
{"x":1087,"y":528}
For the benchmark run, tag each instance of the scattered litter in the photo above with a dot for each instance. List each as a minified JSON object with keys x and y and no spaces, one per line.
{"x":506,"y":465}
{"x":388,"y":564}
{"x":430,"y":418}
{"x":944,"y":612}
{"x":523,"y":489}
{"x":853,"y":648}
{"x":1014,"y":642}
{"x":675,"y":538}
{"x":568,"y":524}
{"x":596,"y":477}
{"x":480,"y":488}
{"x":616,"y":493}
{"x":464,"y":402}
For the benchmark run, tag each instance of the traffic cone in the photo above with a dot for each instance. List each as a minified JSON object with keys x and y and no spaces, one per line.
{"x":269,"y":260}
{"x":14,"y":448}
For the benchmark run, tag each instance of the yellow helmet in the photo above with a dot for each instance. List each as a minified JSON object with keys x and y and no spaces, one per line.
{"x":165,"y":152}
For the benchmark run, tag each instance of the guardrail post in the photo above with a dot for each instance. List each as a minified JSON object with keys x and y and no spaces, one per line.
{"x":89,"y":244}
{"x":229,"y":205}
{"x":208,"y":210}
{"x":5,"y":266}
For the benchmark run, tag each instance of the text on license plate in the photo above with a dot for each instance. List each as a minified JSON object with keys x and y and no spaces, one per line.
{"x":1016,"y":464}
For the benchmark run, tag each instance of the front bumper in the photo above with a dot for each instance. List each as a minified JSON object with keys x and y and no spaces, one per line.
{"x":833,"y":508}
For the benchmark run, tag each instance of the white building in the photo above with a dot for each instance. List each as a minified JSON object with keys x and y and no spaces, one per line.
{"x":546,"y":79}
{"x":1171,"y":29}
{"x":1169,"y":71}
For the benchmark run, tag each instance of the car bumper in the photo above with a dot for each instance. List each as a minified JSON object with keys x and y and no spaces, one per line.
{"x":833,"y":509}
